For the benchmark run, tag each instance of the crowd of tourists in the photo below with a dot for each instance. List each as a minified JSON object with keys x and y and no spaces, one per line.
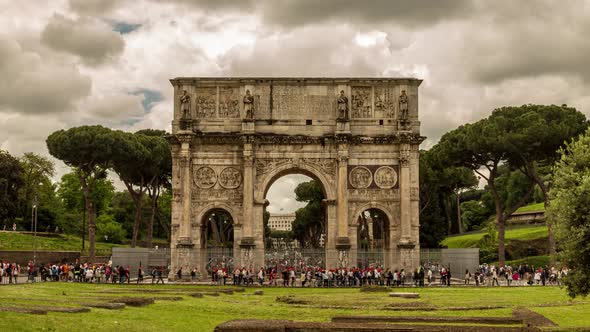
{"x":426,"y":275}
{"x":523,"y":275}
{"x":76,"y":272}
{"x":288,"y":276}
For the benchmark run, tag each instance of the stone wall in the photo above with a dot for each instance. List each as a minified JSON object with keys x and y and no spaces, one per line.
{"x":23,"y":257}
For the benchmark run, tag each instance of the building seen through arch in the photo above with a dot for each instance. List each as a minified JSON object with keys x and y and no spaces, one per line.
{"x":233,"y":137}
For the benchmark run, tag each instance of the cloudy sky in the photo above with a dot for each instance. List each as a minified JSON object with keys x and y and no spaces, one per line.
{"x":65,"y":63}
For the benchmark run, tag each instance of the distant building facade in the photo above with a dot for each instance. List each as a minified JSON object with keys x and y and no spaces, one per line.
{"x":281,"y":221}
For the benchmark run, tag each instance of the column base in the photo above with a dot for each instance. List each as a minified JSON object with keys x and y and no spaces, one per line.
{"x":185,"y":242}
{"x":342,"y":243}
{"x":247,"y":243}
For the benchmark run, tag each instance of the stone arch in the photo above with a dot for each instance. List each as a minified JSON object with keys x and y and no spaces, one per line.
{"x":374,"y":205}
{"x":268,"y":179}
{"x":218,"y":205}
{"x":205,"y":212}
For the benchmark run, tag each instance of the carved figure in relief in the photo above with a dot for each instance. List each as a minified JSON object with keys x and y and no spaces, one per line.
{"x":248,"y":105}
{"x":403,"y":106}
{"x":361,"y":102}
{"x":385,"y":177}
{"x":230,"y":178}
{"x":185,"y":105}
{"x":206,"y":106}
{"x":360,"y":177}
{"x":205,"y":177}
{"x":342,"y":106}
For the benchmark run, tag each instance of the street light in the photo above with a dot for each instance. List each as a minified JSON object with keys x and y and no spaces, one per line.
{"x":34,"y":218}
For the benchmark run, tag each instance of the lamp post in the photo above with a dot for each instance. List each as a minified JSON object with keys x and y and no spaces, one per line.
{"x":34,"y":218}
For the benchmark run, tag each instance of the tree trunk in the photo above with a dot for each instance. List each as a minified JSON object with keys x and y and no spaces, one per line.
{"x":447,"y":205}
{"x":550,"y":228}
{"x":154,"y":194}
{"x":137,"y":197}
{"x":136,"y":220}
{"x":459,"y":226}
{"x":501,"y":224}
{"x":91,"y":217}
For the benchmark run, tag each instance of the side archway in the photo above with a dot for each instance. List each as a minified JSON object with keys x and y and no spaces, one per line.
{"x":374,"y":223}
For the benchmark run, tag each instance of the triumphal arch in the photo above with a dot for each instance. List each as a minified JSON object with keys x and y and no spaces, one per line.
{"x":233,"y":137}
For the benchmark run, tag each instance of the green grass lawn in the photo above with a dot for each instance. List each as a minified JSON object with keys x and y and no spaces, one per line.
{"x":517,"y":233}
{"x":203,"y":314}
{"x":532,"y":207}
{"x":18,"y":241}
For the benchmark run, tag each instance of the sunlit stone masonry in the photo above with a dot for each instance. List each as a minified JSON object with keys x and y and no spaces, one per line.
{"x":233,"y":137}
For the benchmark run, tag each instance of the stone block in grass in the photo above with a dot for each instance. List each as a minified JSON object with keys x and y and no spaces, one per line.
{"x":405,"y":295}
{"x":372,"y":289}
{"x":134,"y":301}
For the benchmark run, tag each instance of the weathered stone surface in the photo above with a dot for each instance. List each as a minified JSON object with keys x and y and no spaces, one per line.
{"x":248,"y":325}
{"x":233,"y":137}
{"x":405,"y":295}
{"x":134,"y":301}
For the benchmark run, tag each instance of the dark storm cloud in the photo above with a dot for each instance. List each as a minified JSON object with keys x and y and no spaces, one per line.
{"x":91,"y":39}
{"x":524,"y":39}
{"x":408,"y":13}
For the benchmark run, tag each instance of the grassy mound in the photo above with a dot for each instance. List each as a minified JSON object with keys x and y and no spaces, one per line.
{"x":471,"y":240}
{"x":57,"y":242}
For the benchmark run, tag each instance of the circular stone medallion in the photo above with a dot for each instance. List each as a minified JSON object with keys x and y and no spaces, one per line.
{"x":385,"y":177}
{"x":205,"y":177}
{"x":230,"y":178}
{"x":360,"y":177}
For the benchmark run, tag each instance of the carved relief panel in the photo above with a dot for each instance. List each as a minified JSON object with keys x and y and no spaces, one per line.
{"x":360,"y":177}
{"x":361,"y":102}
{"x":385,"y":102}
{"x":217,"y":183}
{"x":205,"y":102}
{"x":229,"y":105}
{"x":262,"y":102}
{"x":372,"y":176}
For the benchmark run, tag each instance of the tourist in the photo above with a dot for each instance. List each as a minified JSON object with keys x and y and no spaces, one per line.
{"x":495,"y":277}
{"x":160,"y":275}
{"x":261,"y":276}
{"x":467,"y":277}
{"x":139,"y":275}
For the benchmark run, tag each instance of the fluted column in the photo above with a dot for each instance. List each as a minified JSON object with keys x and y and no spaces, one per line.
{"x":186,"y":181}
{"x":405,"y":220}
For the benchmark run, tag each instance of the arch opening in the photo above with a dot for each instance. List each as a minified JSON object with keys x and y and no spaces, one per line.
{"x":295,"y":221}
{"x":217,"y":239}
{"x":373,"y":238}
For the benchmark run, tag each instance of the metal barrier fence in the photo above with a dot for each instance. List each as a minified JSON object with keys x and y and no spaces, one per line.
{"x":299,"y":258}
{"x":370,"y":258}
{"x":457,"y":260}
{"x":219,"y":258}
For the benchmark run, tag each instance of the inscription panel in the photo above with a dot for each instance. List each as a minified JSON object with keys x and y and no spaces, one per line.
{"x":304,"y":102}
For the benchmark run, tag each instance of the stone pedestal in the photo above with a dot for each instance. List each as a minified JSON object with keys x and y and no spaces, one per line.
{"x":342,"y":126}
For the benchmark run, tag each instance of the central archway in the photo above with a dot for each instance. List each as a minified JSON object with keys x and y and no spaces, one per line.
{"x":309,"y":249}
